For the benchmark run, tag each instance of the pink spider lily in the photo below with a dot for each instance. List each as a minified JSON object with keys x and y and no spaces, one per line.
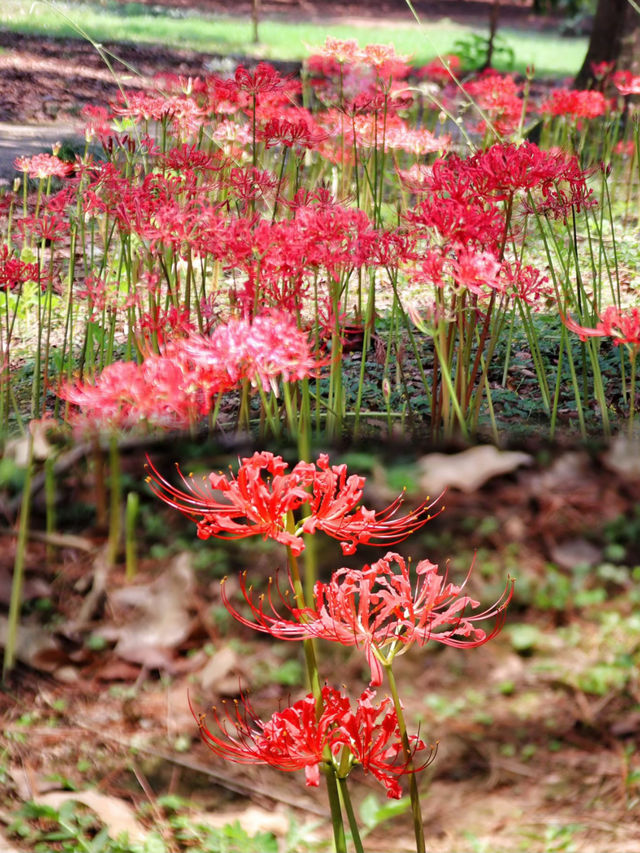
{"x":296,"y":738}
{"x":43,"y":166}
{"x":380,"y":610}
{"x":261,"y":498}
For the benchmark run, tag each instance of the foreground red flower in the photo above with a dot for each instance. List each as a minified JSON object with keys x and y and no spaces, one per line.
{"x":261,"y":499}
{"x":380,"y":610}
{"x":298,"y":739}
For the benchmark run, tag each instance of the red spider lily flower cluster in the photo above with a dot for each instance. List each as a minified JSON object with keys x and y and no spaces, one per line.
{"x":622,"y":325}
{"x":177,"y":388}
{"x":297,"y":738}
{"x":576,"y":103}
{"x":459,"y":224}
{"x":499,"y":98}
{"x":260,"y":499}
{"x":626,"y":82}
{"x":382,"y":611}
{"x":14,"y":272}
{"x":43,"y":166}
{"x":442,"y":69}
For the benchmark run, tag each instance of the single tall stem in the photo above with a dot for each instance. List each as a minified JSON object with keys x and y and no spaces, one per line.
{"x":18,"y":567}
{"x":339,"y":839}
{"x":406,"y":748}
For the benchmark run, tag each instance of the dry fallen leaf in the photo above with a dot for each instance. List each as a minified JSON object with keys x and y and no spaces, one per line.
{"x":468,"y":470}
{"x":154,"y":618}
{"x":623,"y":457}
{"x":117,"y":816}
{"x":575,"y":552}
{"x":35,"y":646}
{"x":18,"y":448}
{"x":222,"y":673}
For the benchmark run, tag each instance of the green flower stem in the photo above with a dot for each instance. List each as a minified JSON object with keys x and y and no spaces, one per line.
{"x":314,"y":681}
{"x":50,"y":501}
{"x":308,"y":644}
{"x":339,"y":839}
{"x":18,"y":567}
{"x":343,"y":788}
{"x":448,"y":386}
{"x":633,"y":352}
{"x":304,"y":422}
{"x":131,"y":519}
{"x":406,"y":748}
{"x":574,"y":380}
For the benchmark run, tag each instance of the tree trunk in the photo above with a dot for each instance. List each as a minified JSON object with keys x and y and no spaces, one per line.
{"x":615,"y":38}
{"x":255,"y":20}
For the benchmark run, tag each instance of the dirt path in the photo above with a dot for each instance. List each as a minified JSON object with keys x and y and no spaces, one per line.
{"x":26,"y":140}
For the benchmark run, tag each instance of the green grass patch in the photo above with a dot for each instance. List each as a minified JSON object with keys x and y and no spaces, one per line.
{"x":550,"y":54}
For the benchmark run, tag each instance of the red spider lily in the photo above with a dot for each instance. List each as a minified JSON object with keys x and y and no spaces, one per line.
{"x":179,"y":84}
{"x":43,"y":166}
{"x":250,"y":183}
{"x":96,"y":291}
{"x":376,"y":745}
{"x":442,"y":69}
{"x":255,"y":502}
{"x":48,"y":226}
{"x":293,"y":739}
{"x":380,"y":610}
{"x":383,"y":56}
{"x":342,"y":51}
{"x":626,"y":147}
{"x":299,"y":132}
{"x":464,"y":221}
{"x":97,"y":121}
{"x":298,"y":739}
{"x":474,"y":271}
{"x":498,"y":97}
{"x":14,"y":272}
{"x":415,"y":140}
{"x":264,"y":79}
{"x":526,"y":282}
{"x":587,"y":103}
{"x":626,"y":82}
{"x":177,"y":388}
{"x":180,"y":111}
{"x":258,"y":501}
{"x":622,"y":325}
{"x":260,"y":351}
{"x":601,"y":70}
{"x":163,"y":326}
{"x":160,"y":392}
{"x":504,"y":169}
{"x":334,"y":510}
{"x":192,"y":158}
